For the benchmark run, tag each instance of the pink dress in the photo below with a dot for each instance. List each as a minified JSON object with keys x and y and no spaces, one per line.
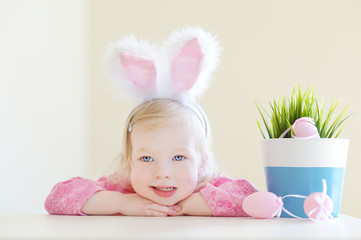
{"x":223,"y":195}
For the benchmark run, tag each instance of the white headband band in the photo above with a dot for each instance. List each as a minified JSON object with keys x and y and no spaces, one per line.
{"x":194,"y":108}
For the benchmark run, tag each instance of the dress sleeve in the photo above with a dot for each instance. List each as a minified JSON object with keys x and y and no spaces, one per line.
{"x":225,"y":196}
{"x":68,"y":197}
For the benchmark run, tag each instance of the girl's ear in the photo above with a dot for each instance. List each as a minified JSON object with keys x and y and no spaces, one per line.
{"x":186,"y":66}
{"x":130,"y":64}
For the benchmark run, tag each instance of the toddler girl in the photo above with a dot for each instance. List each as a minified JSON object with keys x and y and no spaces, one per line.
{"x":166,"y":168}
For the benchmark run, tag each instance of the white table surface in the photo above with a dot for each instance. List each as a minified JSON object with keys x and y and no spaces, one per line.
{"x":185,"y":227}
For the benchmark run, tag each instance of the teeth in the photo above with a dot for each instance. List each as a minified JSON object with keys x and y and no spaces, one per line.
{"x":167,"y":189}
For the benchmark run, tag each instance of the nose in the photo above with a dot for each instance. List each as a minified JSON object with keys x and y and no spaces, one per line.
{"x":162,"y":171}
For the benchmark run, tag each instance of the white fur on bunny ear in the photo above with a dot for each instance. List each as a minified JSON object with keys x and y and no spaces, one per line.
{"x":189,"y":58}
{"x":130,"y":64}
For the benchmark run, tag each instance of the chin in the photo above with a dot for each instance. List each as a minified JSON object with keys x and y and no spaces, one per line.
{"x":166,"y":202}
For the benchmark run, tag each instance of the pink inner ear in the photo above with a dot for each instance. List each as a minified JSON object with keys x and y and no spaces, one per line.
{"x":140,"y":71}
{"x":186,"y":65}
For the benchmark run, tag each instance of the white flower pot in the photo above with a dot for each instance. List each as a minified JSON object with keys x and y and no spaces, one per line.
{"x":297,"y":166}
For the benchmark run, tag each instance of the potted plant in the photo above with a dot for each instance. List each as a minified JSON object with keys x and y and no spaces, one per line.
{"x":302,"y":147}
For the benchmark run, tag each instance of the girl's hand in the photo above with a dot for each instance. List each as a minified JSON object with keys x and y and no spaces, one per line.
{"x":195,"y":205}
{"x":135,"y":205}
{"x":111,"y":203}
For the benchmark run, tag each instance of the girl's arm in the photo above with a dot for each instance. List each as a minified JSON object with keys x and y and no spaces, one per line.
{"x":195,"y":205}
{"x":68,"y":197}
{"x":80,"y":196}
{"x":222,"y":197}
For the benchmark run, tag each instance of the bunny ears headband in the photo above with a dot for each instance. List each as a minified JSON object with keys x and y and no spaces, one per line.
{"x":180,"y":69}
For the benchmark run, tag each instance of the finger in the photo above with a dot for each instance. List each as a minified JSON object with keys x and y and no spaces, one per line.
{"x":153,"y":213}
{"x":180,"y":213}
{"x":163,"y":209}
{"x":176,"y":208}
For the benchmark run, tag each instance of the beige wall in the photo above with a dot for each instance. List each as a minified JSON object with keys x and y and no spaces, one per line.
{"x":59,"y":118}
{"x":42,"y":99}
{"x":269,"y":47}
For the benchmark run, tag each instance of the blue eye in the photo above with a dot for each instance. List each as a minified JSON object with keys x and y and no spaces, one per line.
{"x":178,"y":158}
{"x":146,"y":159}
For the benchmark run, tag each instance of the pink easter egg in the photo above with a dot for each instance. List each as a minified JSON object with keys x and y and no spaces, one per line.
{"x":314,"y":207}
{"x":262,"y":205}
{"x":304,"y":127}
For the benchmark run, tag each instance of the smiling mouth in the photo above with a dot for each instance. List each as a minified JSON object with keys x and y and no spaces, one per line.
{"x":164,"y":191}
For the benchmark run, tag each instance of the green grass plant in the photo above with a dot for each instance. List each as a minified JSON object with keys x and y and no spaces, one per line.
{"x":285,"y":111}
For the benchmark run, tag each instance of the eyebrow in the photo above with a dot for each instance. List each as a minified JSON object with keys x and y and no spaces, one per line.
{"x":182,"y":150}
{"x":144,"y":150}
{"x":140,"y":150}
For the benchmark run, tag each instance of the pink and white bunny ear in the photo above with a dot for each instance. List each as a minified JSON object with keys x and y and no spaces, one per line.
{"x":186,"y":66}
{"x":190,"y":55}
{"x":130,"y":64}
{"x":180,"y":70}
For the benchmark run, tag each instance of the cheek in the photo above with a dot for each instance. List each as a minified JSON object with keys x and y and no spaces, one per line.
{"x":190,"y":184}
{"x":189,"y":176}
{"x":137,"y":176}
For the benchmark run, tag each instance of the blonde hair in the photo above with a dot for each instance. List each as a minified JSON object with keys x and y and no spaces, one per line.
{"x":162,"y":112}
